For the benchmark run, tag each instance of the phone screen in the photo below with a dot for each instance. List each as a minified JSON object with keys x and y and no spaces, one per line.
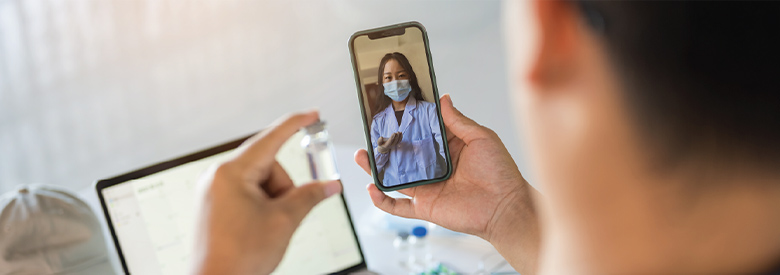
{"x":400,"y":101}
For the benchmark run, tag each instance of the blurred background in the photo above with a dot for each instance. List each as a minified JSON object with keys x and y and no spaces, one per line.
{"x":90,"y":89}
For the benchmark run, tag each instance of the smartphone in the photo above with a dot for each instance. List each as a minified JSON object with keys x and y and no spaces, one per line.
{"x":399,"y":103}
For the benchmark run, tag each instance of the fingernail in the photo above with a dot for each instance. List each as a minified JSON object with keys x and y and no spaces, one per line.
{"x":332,"y":188}
{"x":448,"y":99}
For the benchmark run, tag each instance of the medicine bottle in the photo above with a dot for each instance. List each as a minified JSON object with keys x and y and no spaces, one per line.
{"x":319,"y":152}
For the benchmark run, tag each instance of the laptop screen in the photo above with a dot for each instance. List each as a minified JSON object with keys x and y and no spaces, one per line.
{"x":153,"y":220}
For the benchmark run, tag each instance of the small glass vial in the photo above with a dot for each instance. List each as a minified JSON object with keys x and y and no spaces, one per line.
{"x":319,"y":152}
{"x":420,"y":255}
{"x":401,"y":245}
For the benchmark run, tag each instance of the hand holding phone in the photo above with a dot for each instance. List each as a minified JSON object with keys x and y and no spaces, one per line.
{"x":486,"y":195}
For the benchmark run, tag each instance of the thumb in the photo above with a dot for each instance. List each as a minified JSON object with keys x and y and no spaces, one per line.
{"x":460,"y":125}
{"x":396,"y":138}
{"x":300,"y":200}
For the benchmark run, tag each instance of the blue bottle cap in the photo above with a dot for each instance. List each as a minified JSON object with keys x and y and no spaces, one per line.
{"x":419,"y":231}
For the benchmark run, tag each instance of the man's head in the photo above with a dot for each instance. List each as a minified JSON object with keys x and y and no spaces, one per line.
{"x":636,"y":113}
{"x":679,"y":84}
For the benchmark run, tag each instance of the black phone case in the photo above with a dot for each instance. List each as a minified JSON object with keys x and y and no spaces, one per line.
{"x":383,"y":32}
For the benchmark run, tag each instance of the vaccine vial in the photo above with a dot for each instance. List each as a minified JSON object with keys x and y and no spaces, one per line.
{"x":319,"y":152}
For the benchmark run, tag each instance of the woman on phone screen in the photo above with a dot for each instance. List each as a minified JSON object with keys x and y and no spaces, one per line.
{"x":405,"y":131}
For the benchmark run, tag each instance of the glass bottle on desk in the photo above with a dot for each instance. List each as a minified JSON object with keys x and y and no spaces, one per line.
{"x":420,"y":255}
{"x":319,"y":152}
{"x":401,"y":245}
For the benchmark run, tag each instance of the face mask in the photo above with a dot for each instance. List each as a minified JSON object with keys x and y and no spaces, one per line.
{"x":397,"y":90}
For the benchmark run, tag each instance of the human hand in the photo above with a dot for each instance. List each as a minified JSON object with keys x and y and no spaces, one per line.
{"x":251,"y":207}
{"x":485,"y":196}
{"x":384,"y":144}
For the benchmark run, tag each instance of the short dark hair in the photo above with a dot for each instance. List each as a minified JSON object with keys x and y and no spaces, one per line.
{"x":701,"y":78}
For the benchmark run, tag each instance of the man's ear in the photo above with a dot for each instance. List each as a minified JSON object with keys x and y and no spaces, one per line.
{"x":556,"y":56}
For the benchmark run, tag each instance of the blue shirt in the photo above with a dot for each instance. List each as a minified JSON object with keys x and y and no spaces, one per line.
{"x":414,"y":158}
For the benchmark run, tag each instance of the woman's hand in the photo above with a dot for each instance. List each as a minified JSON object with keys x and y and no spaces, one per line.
{"x":251,"y":207}
{"x":486,"y":195}
{"x":385,"y":144}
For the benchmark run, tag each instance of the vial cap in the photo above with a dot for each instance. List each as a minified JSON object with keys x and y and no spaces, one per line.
{"x":419,"y":231}
{"x":315,"y":127}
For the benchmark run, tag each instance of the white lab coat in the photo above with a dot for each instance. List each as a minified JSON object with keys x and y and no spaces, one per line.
{"x":414,"y":158}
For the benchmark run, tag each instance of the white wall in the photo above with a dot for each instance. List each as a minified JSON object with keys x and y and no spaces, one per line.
{"x":90,"y":89}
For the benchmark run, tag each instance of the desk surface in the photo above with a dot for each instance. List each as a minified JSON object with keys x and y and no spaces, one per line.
{"x":462,"y":253}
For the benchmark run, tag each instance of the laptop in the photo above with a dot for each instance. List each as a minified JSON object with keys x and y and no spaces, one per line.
{"x":151,"y":213}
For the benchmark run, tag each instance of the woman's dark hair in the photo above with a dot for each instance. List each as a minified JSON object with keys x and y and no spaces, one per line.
{"x":701,"y":78}
{"x":382,"y":100}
